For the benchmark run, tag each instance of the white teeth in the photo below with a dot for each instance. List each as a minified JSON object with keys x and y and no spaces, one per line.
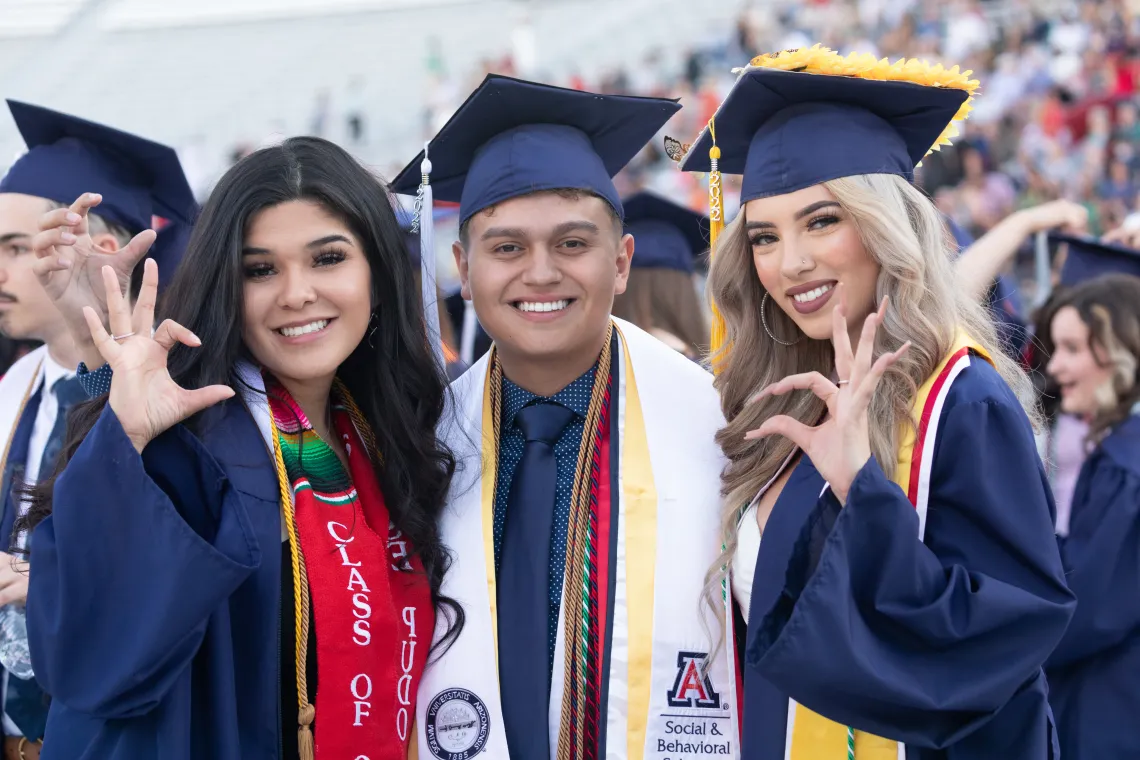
{"x":811,"y":295}
{"x":542,"y":305}
{"x":312,"y":327}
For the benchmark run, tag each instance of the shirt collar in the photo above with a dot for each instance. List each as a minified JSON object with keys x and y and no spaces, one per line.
{"x":51,"y":372}
{"x":575,"y":396}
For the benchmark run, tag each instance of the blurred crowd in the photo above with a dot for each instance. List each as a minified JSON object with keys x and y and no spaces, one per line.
{"x":1057,"y":114}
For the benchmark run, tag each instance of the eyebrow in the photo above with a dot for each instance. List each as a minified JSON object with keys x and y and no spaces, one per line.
{"x":251,"y":251}
{"x":805,"y":211}
{"x":561,"y":229}
{"x":12,"y":236}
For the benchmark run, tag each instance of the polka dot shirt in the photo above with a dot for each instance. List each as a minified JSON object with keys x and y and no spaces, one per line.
{"x":576,"y":397}
{"x":95,"y":383}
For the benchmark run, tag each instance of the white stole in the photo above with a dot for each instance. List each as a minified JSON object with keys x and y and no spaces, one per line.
{"x":667,"y":518}
{"x":16,"y":387}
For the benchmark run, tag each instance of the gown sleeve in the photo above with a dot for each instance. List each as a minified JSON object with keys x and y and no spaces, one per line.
{"x":1101,"y":556}
{"x":924,"y":642}
{"x":125,"y":572}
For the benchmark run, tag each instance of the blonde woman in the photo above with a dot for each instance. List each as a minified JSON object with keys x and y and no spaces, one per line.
{"x":888,"y":526}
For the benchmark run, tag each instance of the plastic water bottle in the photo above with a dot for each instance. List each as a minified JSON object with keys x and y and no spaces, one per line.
{"x":15,"y":656}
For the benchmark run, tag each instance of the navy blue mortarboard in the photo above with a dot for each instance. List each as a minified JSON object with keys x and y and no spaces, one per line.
{"x":68,"y":156}
{"x":1088,"y":258}
{"x":666,"y":235}
{"x":513,"y":137}
{"x":785,"y":130}
{"x":169,"y":245}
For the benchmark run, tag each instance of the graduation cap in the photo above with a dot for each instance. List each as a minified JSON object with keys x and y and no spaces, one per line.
{"x":788,"y":130}
{"x":68,"y":156}
{"x":666,"y":235}
{"x":1088,"y":258}
{"x":512,"y":137}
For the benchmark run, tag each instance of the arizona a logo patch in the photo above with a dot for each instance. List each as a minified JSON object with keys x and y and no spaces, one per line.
{"x":690,"y":687}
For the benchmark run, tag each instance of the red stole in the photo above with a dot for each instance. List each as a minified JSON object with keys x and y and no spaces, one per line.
{"x":372,"y":612}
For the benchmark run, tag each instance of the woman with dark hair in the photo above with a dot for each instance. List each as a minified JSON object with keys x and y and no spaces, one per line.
{"x":245,"y":525}
{"x":1094,"y":673}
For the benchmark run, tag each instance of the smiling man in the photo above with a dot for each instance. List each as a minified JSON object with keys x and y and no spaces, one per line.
{"x":585,"y":515}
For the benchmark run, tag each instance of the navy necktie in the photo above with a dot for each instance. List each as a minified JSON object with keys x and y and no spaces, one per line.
{"x":26,"y":704}
{"x":523,"y":585}
{"x":68,"y":392}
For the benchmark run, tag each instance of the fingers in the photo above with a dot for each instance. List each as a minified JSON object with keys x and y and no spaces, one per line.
{"x":17,"y":592}
{"x":823,"y":388}
{"x":59,"y":217}
{"x":118,"y":312}
{"x":196,"y":400}
{"x":170,"y":332}
{"x":862,"y":396}
{"x":866,"y":350}
{"x":46,"y":266}
{"x":44,"y":243}
{"x":106,"y":347}
{"x":840,"y":338}
{"x":133,"y":252}
{"x":794,"y":430}
{"x":1078,"y":218}
{"x":1123,"y":236}
{"x":143,"y":319}
{"x":82,"y":205}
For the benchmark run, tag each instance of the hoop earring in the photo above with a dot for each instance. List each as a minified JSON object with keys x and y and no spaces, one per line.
{"x":764,"y":321}
{"x":374,"y":325}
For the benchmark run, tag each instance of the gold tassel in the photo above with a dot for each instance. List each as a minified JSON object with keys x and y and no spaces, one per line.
{"x":305,"y":733}
{"x":719,"y":332}
{"x":306,"y":712}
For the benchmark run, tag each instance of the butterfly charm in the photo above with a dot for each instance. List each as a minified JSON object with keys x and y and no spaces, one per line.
{"x":675,"y":149}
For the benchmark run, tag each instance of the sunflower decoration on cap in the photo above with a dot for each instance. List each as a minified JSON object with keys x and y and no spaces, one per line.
{"x":798,"y":118}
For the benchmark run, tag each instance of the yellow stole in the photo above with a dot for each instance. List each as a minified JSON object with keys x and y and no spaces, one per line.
{"x":812,"y":736}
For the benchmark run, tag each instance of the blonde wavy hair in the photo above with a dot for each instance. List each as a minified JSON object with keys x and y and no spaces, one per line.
{"x":906,"y":235}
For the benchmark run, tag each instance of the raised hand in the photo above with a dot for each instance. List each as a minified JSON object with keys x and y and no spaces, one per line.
{"x":841,"y":444}
{"x":70,"y":264}
{"x":1125,"y":235}
{"x":143,"y":396}
{"x":1061,"y":214}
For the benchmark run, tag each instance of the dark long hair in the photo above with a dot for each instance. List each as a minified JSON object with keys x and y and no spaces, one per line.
{"x":392,"y":374}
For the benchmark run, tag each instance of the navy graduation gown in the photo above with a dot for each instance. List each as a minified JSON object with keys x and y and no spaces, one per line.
{"x":1094,"y":674}
{"x":153,"y":609}
{"x":938,"y":643}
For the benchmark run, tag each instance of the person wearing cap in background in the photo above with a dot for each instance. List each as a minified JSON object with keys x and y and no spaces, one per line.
{"x":890,"y":531}
{"x":137,"y":179}
{"x":446,"y":333}
{"x":660,"y":296}
{"x":1094,"y":332}
{"x":982,"y":264}
{"x":585,"y":514}
{"x":474,"y":341}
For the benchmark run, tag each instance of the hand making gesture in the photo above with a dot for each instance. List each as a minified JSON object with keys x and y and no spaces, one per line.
{"x":143,"y":396}
{"x":841,"y":444}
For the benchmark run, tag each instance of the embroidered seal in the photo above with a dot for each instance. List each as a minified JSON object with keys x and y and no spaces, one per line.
{"x":456,"y":725}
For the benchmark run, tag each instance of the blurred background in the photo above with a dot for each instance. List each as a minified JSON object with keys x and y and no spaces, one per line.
{"x":1056,"y":116}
